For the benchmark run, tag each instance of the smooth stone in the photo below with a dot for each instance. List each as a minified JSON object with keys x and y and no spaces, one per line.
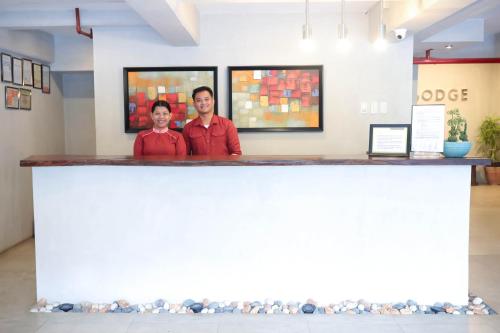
{"x":447,"y":305}
{"x":196,"y":307}
{"x":228,"y":309}
{"x":438,"y":304}
{"x":77,"y":307}
{"x":477,"y":301}
{"x":156,"y":311}
{"x":204,"y":310}
{"x":361,"y":307}
{"x":413,"y":308}
{"x":135,"y":307}
{"x":49,"y":307}
{"x":65,"y":307}
{"x":336,"y":308}
{"x":166,"y":306}
{"x":128,"y":309}
{"x":261,"y":311}
{"x":113,"y":306}
{"x":118,"y":310}
{"x":423,"y":308}
{"x":437,"y":309}
{"x":219,"y":310}
{"x":56,"y":309}
{"x":469,"y":312}
{"x":236,"y":310}
{"x":210,"y":311}
{"x":286,"y":311}
{"x":399,"y":306}
{"x":308,"y":308}
{"x":213,"y":305}
{"x":159,"y":303}
{"x":321,"y":310}
{"x":187,"y":303}
{"x":171,"y":311}
{"x":254,"y":304}
{"x":278,"y":303}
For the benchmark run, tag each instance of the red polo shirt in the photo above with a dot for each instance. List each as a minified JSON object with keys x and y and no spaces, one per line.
{"x":151,"y":142}
{"x":220,"y":138}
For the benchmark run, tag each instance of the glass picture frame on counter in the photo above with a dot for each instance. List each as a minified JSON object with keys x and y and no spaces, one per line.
{"x":428,"y":127}
{"x":24,"y":99}
{"x":390,"y":140}
{"x":37,"y":76}
{"x":11,"y":97}
{"x":6,"y":67}
{"x":17,"y":71}
{"x":27,"y":72}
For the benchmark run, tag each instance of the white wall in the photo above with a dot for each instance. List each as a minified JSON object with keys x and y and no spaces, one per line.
{"x":24,"y":133}
{"x":364,"y":74}
{"x":79,"y":116}
{"x":73,"y":53}
{"x":37,"y":45}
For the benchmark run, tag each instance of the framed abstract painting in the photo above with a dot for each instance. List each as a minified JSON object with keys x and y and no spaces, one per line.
{"x":276,"y":98}
{"x":145,"y":85}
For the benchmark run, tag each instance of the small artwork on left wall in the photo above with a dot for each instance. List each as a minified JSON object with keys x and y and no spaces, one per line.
{"x":11,"y":98}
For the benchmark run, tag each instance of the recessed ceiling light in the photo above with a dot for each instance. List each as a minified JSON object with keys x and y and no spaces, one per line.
{"x":449,"y":46}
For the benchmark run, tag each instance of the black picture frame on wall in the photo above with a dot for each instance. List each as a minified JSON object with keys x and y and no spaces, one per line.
{"x":17,"y":71}
{"x":37,"y":76}
{"x":27,"y":73}
{"x":6,"y":67}
{"x":142,"y":86}
{"x":11,"y":97}
{"x":276,"y":98}
{"x":46,"y":79}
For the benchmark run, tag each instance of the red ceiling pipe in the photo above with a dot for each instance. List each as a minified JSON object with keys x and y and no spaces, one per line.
{"x":79,"y":28}
{"x":436,"y":61}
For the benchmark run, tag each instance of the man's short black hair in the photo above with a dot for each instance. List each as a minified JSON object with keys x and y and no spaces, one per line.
{"x":160,"y":103}
{"x":202,"y":88}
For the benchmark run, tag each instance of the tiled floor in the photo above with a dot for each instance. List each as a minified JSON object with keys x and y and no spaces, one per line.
{"x":17,"y":293}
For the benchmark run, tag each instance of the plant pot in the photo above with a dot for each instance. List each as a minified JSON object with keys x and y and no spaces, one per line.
{"x":456,"y":149}
{"x":492,"y":174}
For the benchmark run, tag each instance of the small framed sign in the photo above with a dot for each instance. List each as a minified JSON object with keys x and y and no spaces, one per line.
{"x":17,"y":71}
{"x":389,"y":140}
{"x":27,"y":72}
{"x":6,"y":68}
{"x":45,"y":79}
{"x":427,"y":124}
{"x":11,"y":97}
{"x":37,"y":76}
{"x":25,"y":99}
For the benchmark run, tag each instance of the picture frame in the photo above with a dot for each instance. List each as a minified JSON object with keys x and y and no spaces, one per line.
{"x":46,"y":79}
{"x":389,"y":140}
{"x":142,"y":86}
{"x":37,"y":76}
{"x":17,"y":71}
{"x":6,"y":60}
{"x":276,"y":98}
{"x":428,"y":128}
{"x":27,"y":72}
{"x":11,"y":97}
{"x":24,"y":99}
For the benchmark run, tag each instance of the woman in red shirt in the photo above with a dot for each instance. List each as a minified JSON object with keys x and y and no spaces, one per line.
{"x":159,"y":140}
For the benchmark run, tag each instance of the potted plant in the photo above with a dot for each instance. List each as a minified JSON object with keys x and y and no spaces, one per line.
{"x":489,"y":145}
{"x":457,"y":144}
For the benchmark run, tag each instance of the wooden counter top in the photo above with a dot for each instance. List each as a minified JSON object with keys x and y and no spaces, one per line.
{"x":248,"y":160}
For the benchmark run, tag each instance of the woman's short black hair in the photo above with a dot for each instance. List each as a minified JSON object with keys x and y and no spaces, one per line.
{"x":202,"y":88}
{"x":160,"y":103}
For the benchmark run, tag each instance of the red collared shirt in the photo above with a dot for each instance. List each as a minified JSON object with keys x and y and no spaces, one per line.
{"x":152,"y":142}
{"x":220,"y":138}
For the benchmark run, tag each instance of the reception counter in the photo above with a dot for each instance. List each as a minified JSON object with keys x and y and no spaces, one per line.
{"x":251,"y":227}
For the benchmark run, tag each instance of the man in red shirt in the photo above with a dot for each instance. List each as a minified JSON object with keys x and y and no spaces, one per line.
{"x":209,"y":134}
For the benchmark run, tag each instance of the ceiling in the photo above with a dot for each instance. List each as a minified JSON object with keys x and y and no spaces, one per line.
{"x":442,"y":22}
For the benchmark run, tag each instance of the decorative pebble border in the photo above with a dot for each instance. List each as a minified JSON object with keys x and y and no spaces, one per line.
{"x":476,"y":306}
